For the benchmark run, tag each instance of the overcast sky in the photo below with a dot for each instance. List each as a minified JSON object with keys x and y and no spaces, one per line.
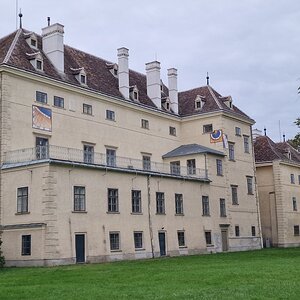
{"x":250,"y":48}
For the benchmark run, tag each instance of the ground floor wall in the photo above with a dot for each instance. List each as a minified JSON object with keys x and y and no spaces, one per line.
{"x":86,"y":215}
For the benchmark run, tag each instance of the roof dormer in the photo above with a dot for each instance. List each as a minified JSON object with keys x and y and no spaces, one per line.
{"x":134,"y":93}
{"x":80,"y":75}
{"x":199,"y":102}
{"x":36,"y":60}
{"x":113,"y":68}
{"x":166,"y":103}
{"x":227,"y":101}
{"x":31,"y":40}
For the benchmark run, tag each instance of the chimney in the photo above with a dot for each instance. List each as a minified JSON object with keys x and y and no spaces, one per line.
{"x":53,"y":45}
{"x":123,"y":71}
{"x":173,"y":91}
{"x":153,"y":82}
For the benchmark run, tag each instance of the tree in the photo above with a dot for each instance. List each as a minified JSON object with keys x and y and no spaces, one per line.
{"x":2,"y":260}
{"x":295,"y":142}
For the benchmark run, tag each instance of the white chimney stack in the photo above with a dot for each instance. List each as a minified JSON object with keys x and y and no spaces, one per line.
{"x":173,"y":91}
{"x":53,"y":45}
{"x":153,"y":82}
{"x":123,"y":71}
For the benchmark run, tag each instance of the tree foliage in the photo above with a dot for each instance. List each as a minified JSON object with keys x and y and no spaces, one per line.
{"x":2,"y":260}
{"x":295,"y":142}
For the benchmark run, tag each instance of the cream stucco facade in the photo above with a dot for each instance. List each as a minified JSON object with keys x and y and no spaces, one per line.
{"x":51,"y":169}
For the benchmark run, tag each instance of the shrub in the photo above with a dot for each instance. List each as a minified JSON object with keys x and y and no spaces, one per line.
{"x":2,"y":260}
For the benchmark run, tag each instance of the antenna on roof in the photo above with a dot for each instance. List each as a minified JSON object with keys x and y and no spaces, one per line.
{"x":265,"y":131}
{"x":48,"y":20}
{"x":283,"y":137}
{"x":207,"y":79}
{"x":20,"y":16}
{"x":17,"y":9}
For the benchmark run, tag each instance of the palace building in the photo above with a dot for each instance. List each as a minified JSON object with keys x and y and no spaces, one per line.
{"x":100,"y":162}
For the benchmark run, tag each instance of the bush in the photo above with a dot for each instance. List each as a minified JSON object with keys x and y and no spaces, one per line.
{"x":2,"y":260}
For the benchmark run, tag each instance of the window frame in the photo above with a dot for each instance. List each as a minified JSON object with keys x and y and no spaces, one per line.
{"x":88,"y":154}
{"x":178,"y":204}
{"x":160,"y":203}
{"x":112,"y":200}
{"x":172,"y":130}
{"x":175,"y":167}
{"x":246,"y":140}
{"x":145,"y":124}
{"x":294,"y":202}
{"x":292,"y":178}
{"x":58,"y":102}
{"x":207,"y":128}
{"x":249,"y":180}
{"x":87,"y":109}
{"x":138,"y":240}
{"x":219,"y":165}
{"x":26,"y":245}
{"x":191,"y":166}
{"x":146,"y":161}
{"x":231,"y":152}
{"x":234,"y":194}
{"x":79,"y":199}
{"x":205,"y":206}
{"x":136,"y":201}
{"x":237,"y":230}
{"x":110,"y":115}
{"x":181,"y":238}
{"x":296,"y":230}
{"x":223,"y":208}
{"x":22,"y":200}
{"x":208,"y":237}
{"x":116,"y":244}
{"x":253,"y":230}
{"x":238,"y":131}
{"x":111,"y":157}
{"x":41,"y":97}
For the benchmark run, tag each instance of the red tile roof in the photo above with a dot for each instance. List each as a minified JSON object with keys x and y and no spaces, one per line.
{"x":266,"y":150}
{"x":100,"y":79}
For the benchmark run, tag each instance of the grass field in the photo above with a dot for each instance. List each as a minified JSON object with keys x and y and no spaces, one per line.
{"x":263,"y":274}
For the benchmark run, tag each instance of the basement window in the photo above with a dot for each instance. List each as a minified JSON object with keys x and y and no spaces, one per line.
{"x":296,"y":230}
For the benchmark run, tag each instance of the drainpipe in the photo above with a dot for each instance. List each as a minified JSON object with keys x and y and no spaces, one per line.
{"x":149,"y":215}
{"x":205,"y":163}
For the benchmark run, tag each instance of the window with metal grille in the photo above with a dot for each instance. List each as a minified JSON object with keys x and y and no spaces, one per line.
{"x":87,"y":109}
{"x":181,"y":238}
{"x":41,"y":97}
{"x":113,"y":201}
{"x":219,"y":167}
{"x":234,"y":195}
{"x":160,"y":203}
{"x":222,"y":208}
{"x":205,"y":206}
{"x":178,"y":204}
{"x":114,"y":238}
{"x":138,"y":239}
{"x":136,"y":201}
{"x":22,"y":200}
{"x":26,"y":244}
{"x":58,"y":101}
{"x":79,"y":198}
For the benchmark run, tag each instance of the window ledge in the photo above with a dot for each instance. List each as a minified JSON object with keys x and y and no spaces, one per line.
{"x":210,"y":245}
{"x":220,"y":175}
{"x":251,"y":194}
{"x":205,"y":215}
{"x":140,"y":249}
{"x":79,"y":211}
{"x":113,"y":212}
{"x":43,"y":103}
{"x":179,"y":214}
{"x":182,"y":247}
{"x":235,"y":204}
{"x":223,"y":216}
{"x":63,"y":108}
{"x":116,"y":251}
{"x":233,"y":160}
{"x":22,"y":213}
{"x":161,"y":214}
{"x":136,"y":213}
{"x":110,"y":120}
{"x":87,"y":114}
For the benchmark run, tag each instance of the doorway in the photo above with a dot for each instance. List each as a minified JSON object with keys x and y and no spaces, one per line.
{"x":42,"y":148}
{"x":224,"y":233}
{"x":80,"y":248}
{"x":162,"y":243}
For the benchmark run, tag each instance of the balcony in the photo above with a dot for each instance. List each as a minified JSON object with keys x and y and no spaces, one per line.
{"x":73,"y":156}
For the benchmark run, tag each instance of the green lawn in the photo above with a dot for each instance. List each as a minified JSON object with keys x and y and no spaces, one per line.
{"x":263,"y":274}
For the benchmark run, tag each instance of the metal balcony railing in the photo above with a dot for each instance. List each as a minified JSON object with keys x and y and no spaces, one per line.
{"x":40,"y":153}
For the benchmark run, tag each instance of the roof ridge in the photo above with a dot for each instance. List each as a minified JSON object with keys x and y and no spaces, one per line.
{"x":273,"y":148}
{"x":12,"y":46}
{"x":199,"y":87}
{"x":214,"y":97}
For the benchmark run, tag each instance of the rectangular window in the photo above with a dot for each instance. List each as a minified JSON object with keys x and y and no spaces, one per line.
{"x":146,"y":162}
{"x":250,"y":185}
{"x":296,"y":230}
{"x":172,"y":130}
{"x":22,"y":200}
{"x":83,"y":79}
{"x":138,"y":239}
{"x":39,"y":64}
{"x":298,"y":179}
{"x":145,"y":124}
{"x":208,"y":128}
{"x":114,"y":239}
{"x":246,"y":144}
{"x":294,"y":204}
{"x":160,"y":203}
{"x":191,"y":166}
{"x":253,"y":231}
{"x":136,"y":201}
{"x":111,"y":157}
{"x":26,"y":244}
{"x":208,"y":238}
{"x":231,"y":151}
{"x":219,"y":167}
{"x":87,"y":109}
{"x":181,"y":239}
{"x":110,"y":115}
{"x":175,"y":167}
{"x":237,"y":230}
{"x":292,"y":178}
{"x":112,"y":200}
{"x":58,"y":101}
{"x":222,"y":208}
{"x":88,"y":154}
{"x":41,"y":97}
{"x":205,"y":206}
{"x":79,"y":198}
{"x":178,"y":204}
{"x":234,"y":195}
{"x":238,"y":131}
